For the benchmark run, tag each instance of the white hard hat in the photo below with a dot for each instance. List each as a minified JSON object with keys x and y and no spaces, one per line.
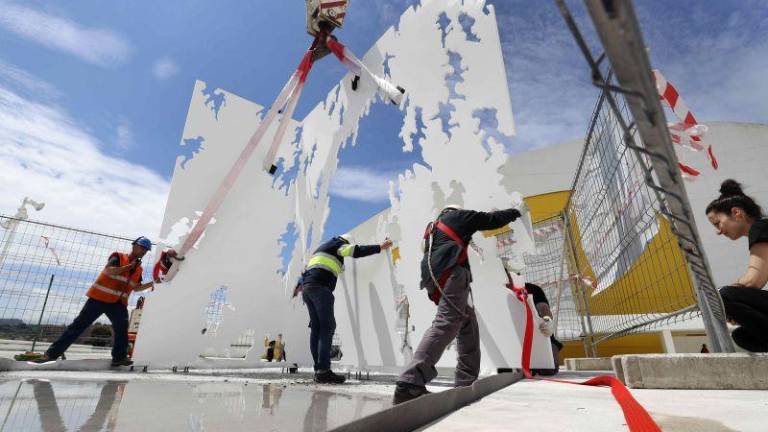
{"x":347,"y":237}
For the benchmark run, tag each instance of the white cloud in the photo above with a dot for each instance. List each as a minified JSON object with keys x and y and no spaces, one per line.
{"x":47,"y":156}
{"x":25,"y":81}
{"x":97,"y":46}
{"x":719,"y":60}
{"x":124,"y":135}
{"x":360,"y":184}
{"x":164,"y":68}
{"x":552,"y":97}
{"x":715,"y":56}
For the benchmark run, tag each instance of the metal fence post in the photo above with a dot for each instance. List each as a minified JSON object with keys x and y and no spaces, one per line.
{"x":585,"y":319}
{"x":40,"y":320}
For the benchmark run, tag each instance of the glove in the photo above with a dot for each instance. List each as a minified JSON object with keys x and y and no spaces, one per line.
{"x":515,"y":214}
{"x":547,"y":327}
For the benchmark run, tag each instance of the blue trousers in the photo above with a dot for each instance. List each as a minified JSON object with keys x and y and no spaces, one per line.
{"x":92,"y":310}
{"x":322,"y":323}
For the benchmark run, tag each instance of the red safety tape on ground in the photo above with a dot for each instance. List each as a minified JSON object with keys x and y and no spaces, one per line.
{"x":638,"y":419}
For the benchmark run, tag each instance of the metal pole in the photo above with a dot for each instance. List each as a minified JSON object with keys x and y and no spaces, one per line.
{"x":592,"y":343}
{"x":560,"y":281}
{"x":40,"y":320}
{"x":10,"y":234}
{"x":578,"y":292}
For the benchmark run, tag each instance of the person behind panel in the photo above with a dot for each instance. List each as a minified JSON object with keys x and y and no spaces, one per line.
{"x":546,"y":327}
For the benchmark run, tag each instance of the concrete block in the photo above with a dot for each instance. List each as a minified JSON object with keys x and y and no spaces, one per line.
{"x":589,"y":364}
{"x":618,"y":370}
{"x":735,"y":371}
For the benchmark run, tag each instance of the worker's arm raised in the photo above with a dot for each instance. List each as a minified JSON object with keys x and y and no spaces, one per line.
{"x":360,"y":251}
{"x":483,"y":221}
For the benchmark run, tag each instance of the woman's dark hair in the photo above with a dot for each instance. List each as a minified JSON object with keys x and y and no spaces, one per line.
{"x":732,"y":196}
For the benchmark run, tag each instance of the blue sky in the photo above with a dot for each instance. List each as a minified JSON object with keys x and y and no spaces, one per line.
{"x":93,"y":95}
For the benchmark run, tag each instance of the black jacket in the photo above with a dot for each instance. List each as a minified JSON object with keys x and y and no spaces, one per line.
{"x":445,"y":251}
{"x":319,"y":276}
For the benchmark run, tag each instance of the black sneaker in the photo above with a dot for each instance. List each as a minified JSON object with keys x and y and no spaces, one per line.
{"x":123,"y":362}
{"x":407,"y":391}
{"x":328,"y":377}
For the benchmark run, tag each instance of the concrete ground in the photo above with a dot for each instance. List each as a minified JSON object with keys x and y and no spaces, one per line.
{"x":544,"y":406}
{"x":267,"y":400}
{"x":9,"y":348}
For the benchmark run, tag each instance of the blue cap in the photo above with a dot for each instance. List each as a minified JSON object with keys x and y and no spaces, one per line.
{"x":143,"y":242}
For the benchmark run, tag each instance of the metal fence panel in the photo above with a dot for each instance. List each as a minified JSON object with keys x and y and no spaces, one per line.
{"x":632,"y":223}
{"x":623,"y":244}
{"x":36,"y":255}
{"x":549,"y":268}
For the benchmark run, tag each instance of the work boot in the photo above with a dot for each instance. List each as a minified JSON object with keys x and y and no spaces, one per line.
{"x":328,"y":377}
{"x":42,"y":359}
{"x":407,"y":391}
{"x":124,"y":362}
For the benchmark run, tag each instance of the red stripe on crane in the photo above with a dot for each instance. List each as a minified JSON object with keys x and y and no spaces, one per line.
{"x":333,"y":4}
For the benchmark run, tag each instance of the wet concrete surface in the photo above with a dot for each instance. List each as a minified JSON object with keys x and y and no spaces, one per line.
{"x":174,"y":402}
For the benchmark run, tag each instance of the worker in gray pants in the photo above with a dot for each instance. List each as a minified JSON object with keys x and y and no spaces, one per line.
{"x":446,"y":276}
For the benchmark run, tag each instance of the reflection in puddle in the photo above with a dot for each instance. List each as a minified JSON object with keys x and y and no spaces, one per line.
{"x":157,"y":405}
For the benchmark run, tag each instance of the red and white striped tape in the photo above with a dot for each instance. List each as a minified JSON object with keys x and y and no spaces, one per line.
{"x":687,"y":132}
{"x":544,"y":232}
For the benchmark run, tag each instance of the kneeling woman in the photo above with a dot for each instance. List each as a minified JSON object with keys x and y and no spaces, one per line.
{"x":736,"y":215}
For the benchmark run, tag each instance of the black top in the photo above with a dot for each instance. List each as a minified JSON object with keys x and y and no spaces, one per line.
{"x":758,"y":232}
{"x":445,"y":251}
{"x":320,"y":276}
{"x":537,"y":292}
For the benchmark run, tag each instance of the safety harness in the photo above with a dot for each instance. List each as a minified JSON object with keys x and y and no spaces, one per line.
{"x":439,"y":282}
